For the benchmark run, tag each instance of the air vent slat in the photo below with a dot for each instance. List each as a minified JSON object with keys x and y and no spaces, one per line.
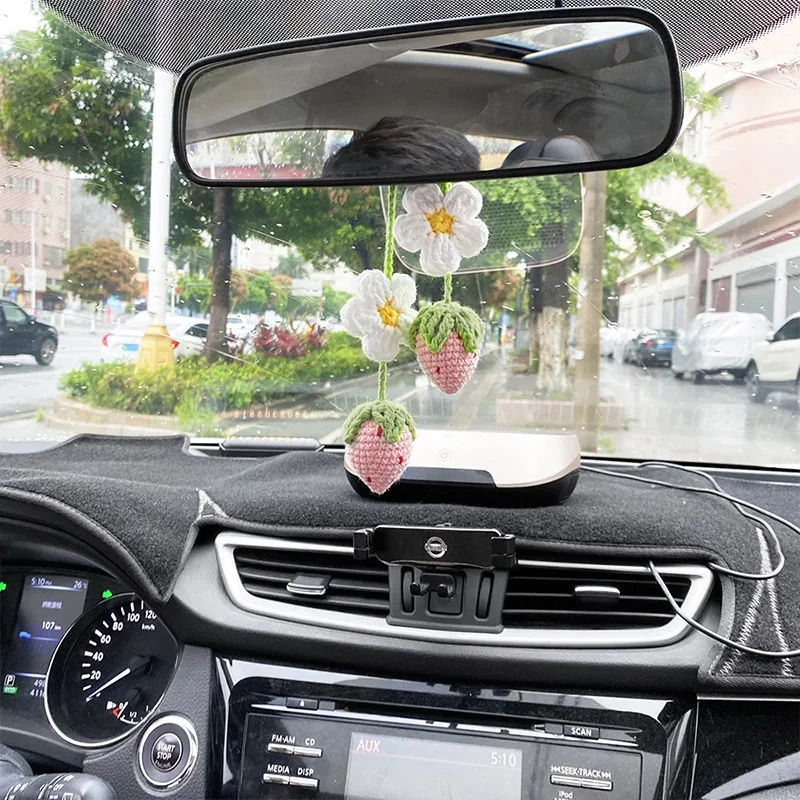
{"x":544,"y":596}
{"x":305,"y":562}
{"x":355,"y":587}
{"x":332,"y":602}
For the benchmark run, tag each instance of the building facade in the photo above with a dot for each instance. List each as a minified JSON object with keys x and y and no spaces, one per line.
{"x":34,"y":223}
{"x":750,"y":142}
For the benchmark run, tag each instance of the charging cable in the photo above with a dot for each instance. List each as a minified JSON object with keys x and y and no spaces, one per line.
{"x":740,"y":505}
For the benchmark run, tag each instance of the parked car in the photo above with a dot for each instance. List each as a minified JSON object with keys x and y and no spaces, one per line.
{"x":608,"y":338}
{"x":122,"y":344}
{"x":651,"y":347}
{"x":775,"y":363}
{"x":719,"y":341}
{"x":22,"y":334}
{"x":623,"y":336}
{"x":239,"y":326}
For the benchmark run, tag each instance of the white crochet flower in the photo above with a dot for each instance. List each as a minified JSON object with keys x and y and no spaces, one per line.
{"x":445,"y":228}
{"x":380,"y":313}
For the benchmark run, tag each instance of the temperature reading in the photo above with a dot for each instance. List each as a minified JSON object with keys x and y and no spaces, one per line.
{"x":504,"y":758}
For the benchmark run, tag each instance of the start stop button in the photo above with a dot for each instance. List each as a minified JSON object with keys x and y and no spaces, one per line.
{"x":167,"y":751}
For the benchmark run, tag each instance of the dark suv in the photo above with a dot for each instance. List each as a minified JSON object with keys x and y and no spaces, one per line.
{"x":21,"y":334}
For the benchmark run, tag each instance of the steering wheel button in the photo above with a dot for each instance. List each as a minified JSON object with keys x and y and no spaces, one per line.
{"x":166,"y":752}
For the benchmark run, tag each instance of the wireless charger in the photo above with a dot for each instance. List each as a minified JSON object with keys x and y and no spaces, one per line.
{"x":487,"y":469}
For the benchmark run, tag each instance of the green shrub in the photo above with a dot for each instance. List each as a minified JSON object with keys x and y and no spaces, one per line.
{"x":197,"y":389}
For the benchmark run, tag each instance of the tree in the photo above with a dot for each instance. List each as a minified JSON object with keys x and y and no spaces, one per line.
{"x":65,"y":97}
{"x":332,"y":301}
{"x":260,"y":292}
{"x":293,"y":265}
{"x":100,"y":270}
{"x":194,"y":293}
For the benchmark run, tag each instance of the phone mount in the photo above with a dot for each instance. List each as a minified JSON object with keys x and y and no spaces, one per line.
{"x":442,"y":577}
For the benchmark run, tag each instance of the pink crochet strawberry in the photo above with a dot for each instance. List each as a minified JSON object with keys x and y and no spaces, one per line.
{"x":378,"y":438}
{"x":451,"y":367}
{"x":447,"y":338}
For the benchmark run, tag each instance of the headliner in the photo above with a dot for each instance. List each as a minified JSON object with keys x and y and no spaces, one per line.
{"x":174,"y":33}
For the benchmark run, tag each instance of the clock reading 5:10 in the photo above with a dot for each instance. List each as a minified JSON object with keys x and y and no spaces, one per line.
{"x":505,"y":758}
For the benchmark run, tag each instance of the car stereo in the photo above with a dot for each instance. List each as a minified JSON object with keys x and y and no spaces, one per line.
{"x":294,"y":733}
{"x":290,"y":752}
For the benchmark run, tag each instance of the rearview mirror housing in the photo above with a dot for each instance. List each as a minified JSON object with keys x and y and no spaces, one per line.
{"x":507,"y":95}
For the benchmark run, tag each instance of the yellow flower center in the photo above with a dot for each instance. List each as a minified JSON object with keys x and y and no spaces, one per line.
{"x":389,"y":314}
{"x":441,"y":222}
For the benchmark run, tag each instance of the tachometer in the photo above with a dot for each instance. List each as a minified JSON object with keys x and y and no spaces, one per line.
{"x":109,"y":672}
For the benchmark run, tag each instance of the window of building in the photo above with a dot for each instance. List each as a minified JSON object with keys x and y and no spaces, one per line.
{"x":755,"y":291}
{"x":22,"y":248}
{"x":53,"y":256}
{"x":8,"y":217}
{"x":143,"y":265}
{"x":725,"y":98}
{"x":47,"y":225}
{"x":6,"y":248}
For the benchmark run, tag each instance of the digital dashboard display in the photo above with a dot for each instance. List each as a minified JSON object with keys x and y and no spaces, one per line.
{"x":48,"y":607}
{"x":396,"y":768}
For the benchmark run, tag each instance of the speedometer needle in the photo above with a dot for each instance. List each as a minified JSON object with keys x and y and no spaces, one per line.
{"x":124,"y":673}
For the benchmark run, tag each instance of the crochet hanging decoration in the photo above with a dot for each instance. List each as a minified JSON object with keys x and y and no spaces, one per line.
{"x":444,"y":228}
{"x":446,"y":336}
{"x":379,"y":434}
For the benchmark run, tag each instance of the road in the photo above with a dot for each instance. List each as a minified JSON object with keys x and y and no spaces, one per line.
{"x":664,"y":418}
{"x":26,"y":387}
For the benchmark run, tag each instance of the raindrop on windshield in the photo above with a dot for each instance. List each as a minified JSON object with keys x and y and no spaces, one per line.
{"x":751,"y":54}
{"x":644,"y":214}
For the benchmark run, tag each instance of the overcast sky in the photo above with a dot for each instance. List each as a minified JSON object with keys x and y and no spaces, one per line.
{"x":17,"y":15}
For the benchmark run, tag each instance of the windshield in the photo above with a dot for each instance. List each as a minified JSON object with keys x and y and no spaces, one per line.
{"x":700,"y":254}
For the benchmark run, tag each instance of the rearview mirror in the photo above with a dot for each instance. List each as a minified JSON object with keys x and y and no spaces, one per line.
{"x":526,"y":93}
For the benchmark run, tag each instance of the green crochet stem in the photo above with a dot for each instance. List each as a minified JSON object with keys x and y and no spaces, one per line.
{"x":392,"y":418}
{"x":436,"y":322}
{"x":388,"y":248}
{"x":388,"y":271}
{"x":382,"y":373}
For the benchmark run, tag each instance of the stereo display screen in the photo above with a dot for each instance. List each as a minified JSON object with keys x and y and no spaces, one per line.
{"x":396,"y":768}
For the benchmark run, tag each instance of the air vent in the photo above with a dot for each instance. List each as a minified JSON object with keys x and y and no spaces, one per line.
{"x":557,"y":597}
{"x":330,"y":580}
{"x":548,"y":603}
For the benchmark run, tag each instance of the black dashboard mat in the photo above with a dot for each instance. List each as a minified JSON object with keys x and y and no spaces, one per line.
{"x":149,"y":497}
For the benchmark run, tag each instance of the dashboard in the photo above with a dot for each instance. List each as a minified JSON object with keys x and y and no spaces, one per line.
{"x":201,"y":698}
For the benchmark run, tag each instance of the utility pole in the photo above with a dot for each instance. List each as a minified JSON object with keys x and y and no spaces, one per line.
{"x":155,"y":350}
{"x":590,"y":304}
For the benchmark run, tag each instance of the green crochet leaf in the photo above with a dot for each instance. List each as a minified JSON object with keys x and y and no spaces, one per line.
{"x":436,"y":322}
{"x":390,"y":416}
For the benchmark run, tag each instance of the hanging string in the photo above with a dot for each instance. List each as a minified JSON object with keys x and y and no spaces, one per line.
{"x":388,"y":247}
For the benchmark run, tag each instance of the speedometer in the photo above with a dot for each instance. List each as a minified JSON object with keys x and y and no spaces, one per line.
{"x":109,"y":672}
